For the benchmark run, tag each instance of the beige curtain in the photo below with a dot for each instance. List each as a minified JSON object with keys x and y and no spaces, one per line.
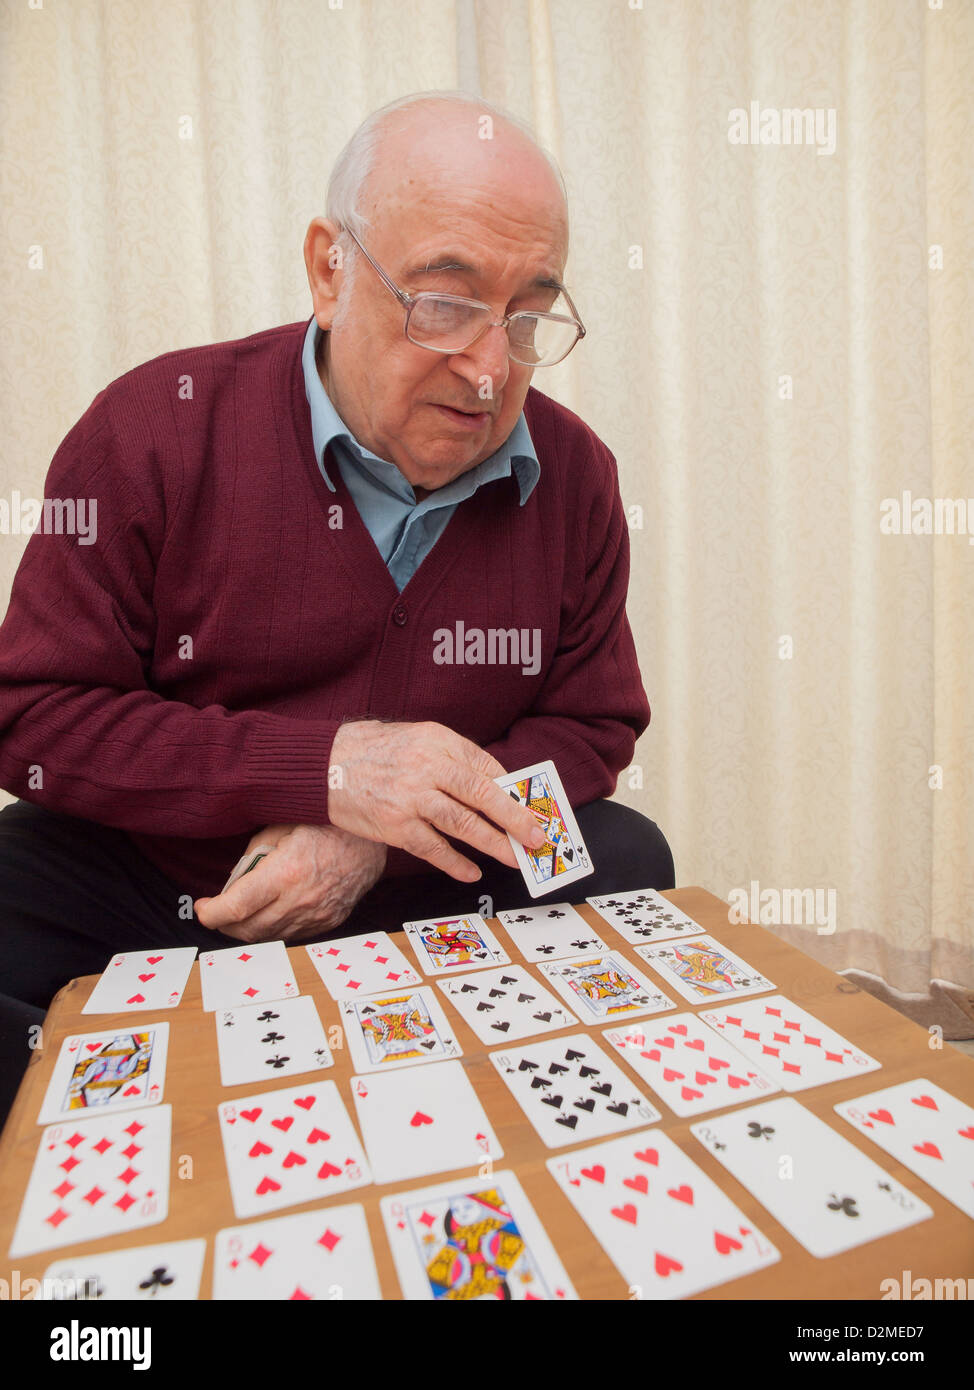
{"x":781,"y":337}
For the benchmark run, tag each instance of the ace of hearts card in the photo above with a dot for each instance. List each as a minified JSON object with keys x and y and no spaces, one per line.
{"x":563,"y":857}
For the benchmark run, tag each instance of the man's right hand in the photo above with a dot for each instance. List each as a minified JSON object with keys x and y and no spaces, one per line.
{"x":402,"y":783}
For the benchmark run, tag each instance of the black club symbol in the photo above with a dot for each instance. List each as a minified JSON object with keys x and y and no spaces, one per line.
{"x":277,"y":1062}
{"x":847,"y":1205}
{"x":756,"y":1131}
{"x":267,"y":1016}
{"x":159,"y":1279}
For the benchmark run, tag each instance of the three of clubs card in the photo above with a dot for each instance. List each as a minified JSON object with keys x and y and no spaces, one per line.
{"x":563,"y":857}
{"x":261,"y":1041}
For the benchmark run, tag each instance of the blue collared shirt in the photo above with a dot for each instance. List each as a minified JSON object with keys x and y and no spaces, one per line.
{"x":403,"y":529}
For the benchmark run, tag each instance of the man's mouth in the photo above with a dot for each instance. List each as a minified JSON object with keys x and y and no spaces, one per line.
{"x":466,"y":419}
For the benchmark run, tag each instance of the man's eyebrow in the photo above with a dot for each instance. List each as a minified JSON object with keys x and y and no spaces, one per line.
{"x":449,"y":262}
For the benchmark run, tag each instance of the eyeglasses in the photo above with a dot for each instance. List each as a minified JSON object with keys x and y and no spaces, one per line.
{"x":449,"y":323}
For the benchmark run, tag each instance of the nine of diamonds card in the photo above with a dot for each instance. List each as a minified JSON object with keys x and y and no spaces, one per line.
{"x":552,"y":931}
{"x":147,"y":1273}
{"x":447,"y":944}
{"x":323,"y":1255}
{"x":645,"y":917}
{"x":360,"y":965}
{"x":387,"y":1031}
{"x":702,"y":970}
{"x":563,"y":857}
{"x":605,"y":988}
{"x":505,"y":1004}
{"x":111,"y":1070}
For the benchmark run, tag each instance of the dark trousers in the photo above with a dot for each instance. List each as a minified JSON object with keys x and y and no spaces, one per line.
{"x":73,"y":893}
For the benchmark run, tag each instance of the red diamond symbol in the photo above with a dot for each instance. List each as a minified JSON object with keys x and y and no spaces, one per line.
{"x":134,"y":1128}
{"x":102,"y":1146}
{"x":329,"y":1240}
{"x":355,"y":984}
{"x":781,"y":1037}
{"x":344,"y":967}
{"x":775,"y":1013}
{"x":382,"y":960}
{"x":129,"y":1175}
{"x":791,"y":1066}
{"x":333,"y":951}
{"x":94,"y":1196}
{"x":64,"y":1189}
{"x":299,"y":1294}
{"x":57,"y":1217}
{"x":259,"y":1254}
{"x":833,"y":1056}
{"x":371,"y":945}
{"x":754,"y":1036}
{"x":251,"y":991}
{"x":392,"y":975}
{"x":125,"y":1201}
{"x":70,"y":1163}
{"x":75,"y":1140}
{"x":813,"y":1042}
{"x":245,"y":956}
{"x":427,"y":1218}
{"x":771,"y":1051}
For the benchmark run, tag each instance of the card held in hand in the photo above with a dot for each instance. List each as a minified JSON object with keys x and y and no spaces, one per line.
{"x":563,"y":857}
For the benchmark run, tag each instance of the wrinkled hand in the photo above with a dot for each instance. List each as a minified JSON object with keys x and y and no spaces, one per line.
{"x":402,"y":783}
{"x":307,"y":886}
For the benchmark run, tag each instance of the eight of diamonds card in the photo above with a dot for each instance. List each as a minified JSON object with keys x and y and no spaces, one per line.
{"x":360,"y":965}
{"x":502,"y":1005}
{"x":551,"y":932}
{"x":788,"y":1043}
{"x":688,"y":1065}
{"x":291,"y":1146}
{"x":702,"y":970}
{"x":570,"y":1090}
{"x":320,"y":1255}
{"x":111,"y":1070}
{"x":822,"y":1189}
{"x":139,"y":980}
{"x":563,"y":857}
{"x":261,"y":1041}
{"x":667,"y":1228}
{"x":645,"y":917}
{"x":605,"y":988}
{"x":447,"y":944}
{"x":147,"y":1273}
{"x":458,"y":1242}
{"x":387,"y":1031}
{"x":925,"y":1128}
{"x":96,"y":1177}
{"x":246,"y":975}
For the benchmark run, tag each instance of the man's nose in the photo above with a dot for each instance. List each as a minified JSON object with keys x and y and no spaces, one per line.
{"x":489,"y":357}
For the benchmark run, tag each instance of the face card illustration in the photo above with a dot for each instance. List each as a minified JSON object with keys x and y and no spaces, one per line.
{"x":290,"y":1146}
{"x":261,"y":1041}
{"x":645,"y":917}
{"x":447,"y":944}
{"x":147,"y":1274}
{"x":570,"y":1090}
{"x":322,"y":1255}
{"x":788,"y":1043}
{"x":701,"y":970}
{"x":96,"y":1177}
{"x":551,"y":932}
{"x":605,"y":988}
{"x":479,"y":1240}
{"x":834,"y":1197}
{"x":387,"y":1031}
{"x":361,"y":965}
{"x":246,"y":974}
{"x":563,"y":857}
{"x":111,"y":1070}
{"x":134,"y":981}
{"x":689,"y":1066}
{"x":925,"y":1128}
{"x":506,"y":1004}
{"x":668,"y":1229}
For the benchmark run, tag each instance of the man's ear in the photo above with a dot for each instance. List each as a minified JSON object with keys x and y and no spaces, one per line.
{"x":323,"y":260}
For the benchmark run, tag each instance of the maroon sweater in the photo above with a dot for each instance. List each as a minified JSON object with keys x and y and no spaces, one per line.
{"x":183,"y":677}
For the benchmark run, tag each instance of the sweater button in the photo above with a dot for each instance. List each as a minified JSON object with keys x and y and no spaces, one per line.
{"x":399,"y":615}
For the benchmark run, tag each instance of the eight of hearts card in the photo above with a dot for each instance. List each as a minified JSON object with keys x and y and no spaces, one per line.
{"x":788,"y":1043}
{"x":688,"y":1065}
{"x":428,"y":1120}
{"x":645,"y":917}
{"x":552,"y":932}
{"x":360,"y":965}
{"x":506,"y":1004}
{"x":927,"y":1129}
{"x":111,"y":1070}
{"x":474,"y":1240}
{"x":249,"y":974}
{"x":134,"y":981}
{"x":146,"y":1274}
{"x":702,"y":970}
{"x":323,"y":1255}
{"x":570,"y":1090}
{"x":96,"y":1177}
{"x":444,"y":945}
{"x":259,"y":1042}
{"x":563,"y":857}
{"x":668,"y":1229}
{"x":290,"y":1146}
{"x":833,"y":1198}
{"x":386,"y":1031}
{"x":605,"y":988}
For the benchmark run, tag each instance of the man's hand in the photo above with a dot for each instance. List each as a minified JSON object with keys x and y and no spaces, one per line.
{"x":306,"y":886}
{"x":401,"y":783}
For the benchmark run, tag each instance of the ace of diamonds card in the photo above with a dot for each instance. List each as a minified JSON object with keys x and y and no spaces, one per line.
{"x":563,"y":857}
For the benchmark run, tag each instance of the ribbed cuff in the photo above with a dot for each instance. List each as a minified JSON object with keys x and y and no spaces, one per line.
{"x":285,"y":775}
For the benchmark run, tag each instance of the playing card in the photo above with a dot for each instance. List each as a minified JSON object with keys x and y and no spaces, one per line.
{"x":259,"y":1042}
{"x":386,"y":1031}
{"x":550,"y":932}
{"x":927,"y":1129}
{"x":563,"y":858}
{"x":570,"y":1090}
{"x":447,"y":944}
{"x":667,"y":1228}
{"x":821,"y":1188}
{"x":145,"y":1273}
{"x":246,"y":974}
{"x":323,"y":1255}
{"x":645,"y":917}
{"x":139,"y":980}
{"x":290,"y":1146}
{"x":605,"y":988}
{"x":96,"y":1177}
{"x":111,"y":1070}
{"x":247,"y":861}
{"x":428,"y":1120}
{"x":688,"y":1065}
{"x":480,"y":1239}
{"x":358,"y":965}
{"x":788,"y":1043}
{"x":702,"y":970}
{"x":505,"y":1004}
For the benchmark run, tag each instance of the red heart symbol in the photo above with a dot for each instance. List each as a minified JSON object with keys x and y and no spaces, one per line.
{"x":653,"y":1056}
{"x":153,"y":960}
{"x":251,"y":1114}
{"x":679,"y":1028}
{"x":735,"y":1082}
{"x":267,"y":1185}
{"x":305,"y":1102}
{"x":967,"y":1133}
{"x":725,"y":1243}
{"x":93,"y":1047}
{"x":597,"y":1174}
{"x":317,"y":1134}
{"x":328,"y":1170}
{"x":150,"y":976}
{"x":640,"y":1183}
{"x":930,"y":1149}
{"x":292,"y":1159}
{"x":715,"y":1063}
{"x":927,"y":1102}
{"x":688,"y":1093}
{"x":883,"y":1115}
{"x":259,"y":1148}
{"x":132,"y":1091}
{"x":285,"y":1123}
{"x":626,"y":1213}
{"x":420,"y":1119}
{"x":665,"y":1042}
{"x":136,"y":999}
{"x":702,"y":1078}
{"x":697,"y":1044}
{"x":665,"y":1266}
{"x":670,"y":1075}
{"x":681,"y":1194}
{"x":648,"y":1156}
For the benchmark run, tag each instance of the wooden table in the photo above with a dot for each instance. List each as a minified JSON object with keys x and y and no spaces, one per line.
{"x":200,"y":1205}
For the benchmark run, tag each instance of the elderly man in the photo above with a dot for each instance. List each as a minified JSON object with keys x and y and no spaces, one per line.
{"x":298,"y":534}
